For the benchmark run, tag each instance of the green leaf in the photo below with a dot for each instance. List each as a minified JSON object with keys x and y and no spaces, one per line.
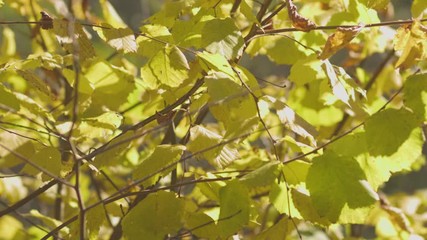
{"x":278,"y":231}
{"x":262,"y":176}
{"x":17,"y":144}
{"x":281,"y":199}
{"x":36,"y":82}
{"x":115,"y":150}
{"x":216,"y":62}
{"x":95,"y":217}
{"x":209,"y":229}
{"x":226,"y":40}
{"x":163,"y":155}
{"x":99,"y":128}
{"x":151,"y":40}
{"x":303,"y":203}
{"x":48,"y":158}
{"x":234,"y":208}
{"x":169,"y":13}
{"x":122,"y":39}
{"x":49,"y":221}
{"x":415,"y":95}
{"x":418,"y":8}
{"x":110,"y":14}
{"x":237,"y":113}
{"x":218,"y":155}
{"x":8,"y":99}
{"x":307,"y":70}
{"x":355,"y":145}
{"x":293,"y":121}
{"x":85,"y":48}
{"x":246,"y":8}
{"x":336,"y":182}
{"x":108,"y":120}
{"x":154,"y":217}
{"x":387,"y":130}
{"x":109,"y":81}
{"x":285,"y":51}
{"x":169,"y":67}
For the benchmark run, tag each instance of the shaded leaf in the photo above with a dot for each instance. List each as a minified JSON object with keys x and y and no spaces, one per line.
{"x":335,"y":184}
{"x":339,"y":39}
{"x":226,"y":40}
{"x":387,"y":130}
{"x":216,"y":62}
{"x":8,"y":99}
{"x":36,"y":82}
{"x":415,"y":95}
{"x":218,"y":154}
{"x":263,"y":176}
{"x":48,"y":158}
{"x":234,"y":208}
{"x":163,"y":155}
{"x":154,"y":217}
{"x":66,"y":35}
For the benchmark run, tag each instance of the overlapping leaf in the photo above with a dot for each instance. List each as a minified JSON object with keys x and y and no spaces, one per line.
{"x":203,"y":139}
{"x":168,"y":67}
{"x":122,"y":39}
{"x":411,"y":42}
{"x":339,"y":39}
{"x":337,"y":190}
{"x":163,"y":155}
{"x":226,"y":40}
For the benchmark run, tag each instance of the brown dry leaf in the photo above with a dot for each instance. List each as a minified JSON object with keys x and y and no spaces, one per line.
{"x":339,"y":39}
{"x":46,"y":21}
{"x":298,"y":21}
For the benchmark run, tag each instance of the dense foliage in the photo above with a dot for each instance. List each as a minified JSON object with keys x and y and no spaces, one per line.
{"x":108,"y":132}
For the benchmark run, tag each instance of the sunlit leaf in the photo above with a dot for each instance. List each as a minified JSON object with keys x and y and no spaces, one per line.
{"x":418,"y":8}
{"x":411,"y":42}
{"x":307,"y":70}
{"x":339,"y":39}
{"x":169,"y":67}
{"x":122,"y":39}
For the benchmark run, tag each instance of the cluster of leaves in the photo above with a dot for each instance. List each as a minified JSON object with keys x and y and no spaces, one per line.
{"x":171,"y":136}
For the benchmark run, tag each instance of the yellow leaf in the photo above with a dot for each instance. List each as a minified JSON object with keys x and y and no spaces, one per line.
{"x":339,"y":39}
{"x":411,"y":42}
